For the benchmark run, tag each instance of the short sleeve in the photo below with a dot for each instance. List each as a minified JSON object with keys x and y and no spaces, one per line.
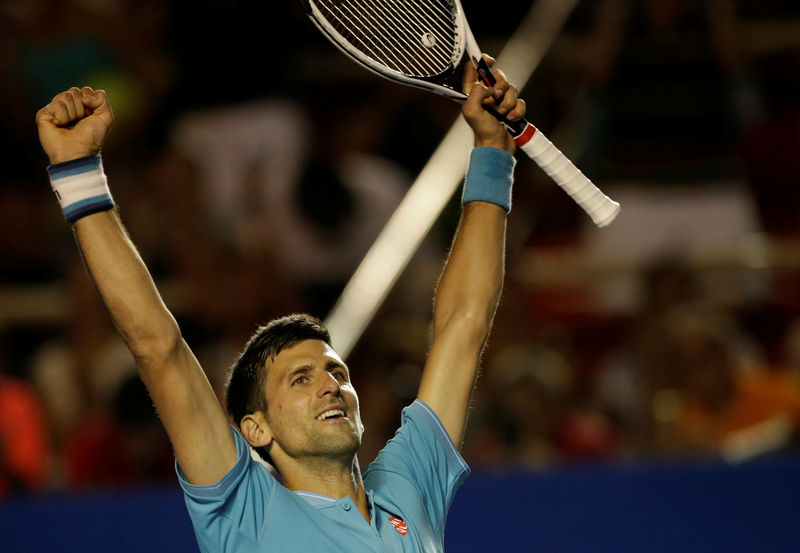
{"x":422,"y":453}
{"x":233,"y":506}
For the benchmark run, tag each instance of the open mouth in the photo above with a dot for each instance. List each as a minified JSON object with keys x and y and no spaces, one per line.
{"x":331,"y":414}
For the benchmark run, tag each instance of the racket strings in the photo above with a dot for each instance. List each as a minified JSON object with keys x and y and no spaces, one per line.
{"x":393,"y":36}
{"x":412,"y":25}
{"x":414,"y":37}
{"x":375,"y":36}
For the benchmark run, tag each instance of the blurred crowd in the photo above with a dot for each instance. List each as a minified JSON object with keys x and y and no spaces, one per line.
{"x":254,"y":171}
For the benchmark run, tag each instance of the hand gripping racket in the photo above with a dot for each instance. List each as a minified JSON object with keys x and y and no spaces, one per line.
{"x":421,"y":43}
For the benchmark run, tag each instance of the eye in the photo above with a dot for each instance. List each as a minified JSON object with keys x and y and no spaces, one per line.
{"x":340,"y":375}
{"x":299,"y":380}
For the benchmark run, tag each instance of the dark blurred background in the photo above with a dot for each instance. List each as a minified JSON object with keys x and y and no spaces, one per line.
{"x":254,"y":165}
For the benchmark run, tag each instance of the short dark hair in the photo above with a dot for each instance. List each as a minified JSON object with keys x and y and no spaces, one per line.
{"x":244,"y":391}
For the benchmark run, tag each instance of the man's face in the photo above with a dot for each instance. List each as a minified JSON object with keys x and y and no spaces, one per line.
{"x":312,"y":407}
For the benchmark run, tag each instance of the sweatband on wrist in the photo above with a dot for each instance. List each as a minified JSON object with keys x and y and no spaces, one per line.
{"x":81,"y":187}
{"x":490,"y":176}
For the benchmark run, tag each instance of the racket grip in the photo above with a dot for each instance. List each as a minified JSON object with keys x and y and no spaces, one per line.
{"x":602,"y":209}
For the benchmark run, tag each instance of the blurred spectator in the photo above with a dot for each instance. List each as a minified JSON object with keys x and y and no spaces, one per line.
{"x":688,"y":379}
{"x":278,"y":177}
{"x":671,"y":89}
{"x":80,"y":369}
{"x":671,"y":94}
{"x":26,"y":249}
{"x":623,"y":380}
{"x":24,"y":440}
{"x":122,"y":446}
{"x":789,"y":353}
{"x":117,"y":46}
{"x":533,"y":383}
{"x":713,"y":400}
{"x":770,"y":149}
{"x":533,"y":409}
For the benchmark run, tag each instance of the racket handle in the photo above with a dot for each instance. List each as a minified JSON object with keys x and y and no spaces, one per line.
{"x":530,"y":140}
{"x":597,"y":205}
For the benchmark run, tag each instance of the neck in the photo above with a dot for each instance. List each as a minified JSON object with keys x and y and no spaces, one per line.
{"x":326,"y":477}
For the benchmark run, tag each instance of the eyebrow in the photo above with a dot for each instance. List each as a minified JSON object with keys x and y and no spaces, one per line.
{"x":297,"y":370}
{"x":336,"y":365}
{"x":329,"y":366}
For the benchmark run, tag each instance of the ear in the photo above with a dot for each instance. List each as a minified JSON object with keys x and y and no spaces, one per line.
{"x":255,"y":429}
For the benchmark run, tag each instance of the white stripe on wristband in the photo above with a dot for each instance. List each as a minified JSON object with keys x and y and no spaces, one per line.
{"x":81,"y":187}
{"x":489,"y":178}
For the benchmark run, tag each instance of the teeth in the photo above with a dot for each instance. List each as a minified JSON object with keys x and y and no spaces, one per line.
{"x":330,"y":413}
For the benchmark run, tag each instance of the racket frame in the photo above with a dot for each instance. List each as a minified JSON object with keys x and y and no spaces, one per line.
{"x":462,"y":35}
{"x":602,"y":209}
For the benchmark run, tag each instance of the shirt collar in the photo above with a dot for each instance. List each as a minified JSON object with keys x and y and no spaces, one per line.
{"x":316,"y":500}
{"x":319,"y":501}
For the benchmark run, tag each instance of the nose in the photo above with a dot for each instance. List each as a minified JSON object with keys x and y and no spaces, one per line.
{"x":329,"y":385}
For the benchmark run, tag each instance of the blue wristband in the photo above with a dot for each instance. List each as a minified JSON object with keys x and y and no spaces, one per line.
{"x":490,"y":176}
{"x":80,"y":186}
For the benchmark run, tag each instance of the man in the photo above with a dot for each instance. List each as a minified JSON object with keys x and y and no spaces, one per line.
{"x":290,"y":394}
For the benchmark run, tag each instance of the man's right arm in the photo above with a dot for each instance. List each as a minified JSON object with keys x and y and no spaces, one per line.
{"x":74,"y":126}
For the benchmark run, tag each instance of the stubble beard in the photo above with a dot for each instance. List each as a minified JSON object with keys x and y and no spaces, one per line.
{"x":341,"y":447}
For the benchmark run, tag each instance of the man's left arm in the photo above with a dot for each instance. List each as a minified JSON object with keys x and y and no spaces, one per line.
{"x":470,"y":286}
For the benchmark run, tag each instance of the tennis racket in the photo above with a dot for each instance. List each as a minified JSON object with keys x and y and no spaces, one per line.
{"x":421,"y":43}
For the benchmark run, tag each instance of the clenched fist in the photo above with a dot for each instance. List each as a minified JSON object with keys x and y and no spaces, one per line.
{"x":74,"y":124}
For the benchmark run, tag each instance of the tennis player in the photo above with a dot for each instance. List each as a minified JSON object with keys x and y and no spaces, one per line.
{"x":290,"y":396}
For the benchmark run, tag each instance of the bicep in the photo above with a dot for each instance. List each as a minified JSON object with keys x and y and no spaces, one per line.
{"x":197,"y":426}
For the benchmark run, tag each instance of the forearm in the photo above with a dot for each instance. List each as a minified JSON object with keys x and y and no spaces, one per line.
{"x":472,"y":279}
{"x":470,"y":285}
{"x":126,"y":286}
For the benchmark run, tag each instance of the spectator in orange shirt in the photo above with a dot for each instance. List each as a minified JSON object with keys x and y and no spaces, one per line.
{"x":23,"y":438}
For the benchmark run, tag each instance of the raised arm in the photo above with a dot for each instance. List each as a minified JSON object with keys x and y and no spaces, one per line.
{"x":71,"y":130}
{"x":470,"y":285}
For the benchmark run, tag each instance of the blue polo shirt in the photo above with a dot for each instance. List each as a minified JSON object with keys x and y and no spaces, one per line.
{"x":410,"y":486}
